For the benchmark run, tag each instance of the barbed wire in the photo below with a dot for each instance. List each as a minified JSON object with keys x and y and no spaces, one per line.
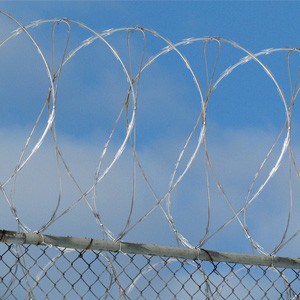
{"x":129,"y":110}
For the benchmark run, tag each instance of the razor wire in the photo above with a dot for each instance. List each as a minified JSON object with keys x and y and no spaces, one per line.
{"x":129,"y":110}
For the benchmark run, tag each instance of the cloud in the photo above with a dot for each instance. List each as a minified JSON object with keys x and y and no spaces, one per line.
{"x":37,"y":188}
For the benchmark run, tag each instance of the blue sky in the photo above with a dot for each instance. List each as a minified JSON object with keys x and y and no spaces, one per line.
{"x":245,"y":115}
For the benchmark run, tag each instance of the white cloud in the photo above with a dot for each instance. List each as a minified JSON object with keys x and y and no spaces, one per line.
{"x":36,"y":193}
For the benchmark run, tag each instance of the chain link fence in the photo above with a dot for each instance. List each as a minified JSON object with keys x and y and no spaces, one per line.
{"x":35,"y":266}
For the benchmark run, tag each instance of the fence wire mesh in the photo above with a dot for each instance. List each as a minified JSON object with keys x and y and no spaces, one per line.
{"x":31,"y":271}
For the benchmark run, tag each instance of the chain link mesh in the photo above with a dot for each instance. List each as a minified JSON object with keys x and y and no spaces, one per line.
{"x":48,"y":272}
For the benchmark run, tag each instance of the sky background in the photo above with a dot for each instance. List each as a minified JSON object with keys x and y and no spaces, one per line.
{"x":245,"y":115}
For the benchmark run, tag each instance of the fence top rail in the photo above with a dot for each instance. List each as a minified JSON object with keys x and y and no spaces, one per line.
{"x":146,"y":249}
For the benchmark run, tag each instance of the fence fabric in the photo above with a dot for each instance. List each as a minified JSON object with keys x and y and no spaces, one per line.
{"x":31,"y":269}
